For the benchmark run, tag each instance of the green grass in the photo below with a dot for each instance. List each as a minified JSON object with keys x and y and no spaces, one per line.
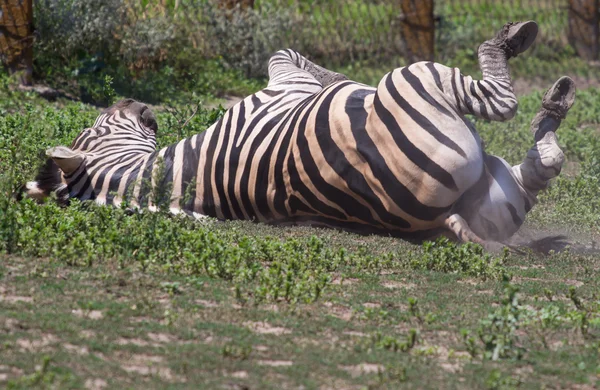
{"x":93,"y":296}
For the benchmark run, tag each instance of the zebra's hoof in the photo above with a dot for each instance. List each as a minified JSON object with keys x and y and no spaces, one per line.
{"x":560,"y":97}
{"x":518,"y":37}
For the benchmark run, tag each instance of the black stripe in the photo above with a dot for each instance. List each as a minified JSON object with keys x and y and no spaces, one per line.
{"x":418,"y":87}
{"x":189,"y":170}
{"x":499,"y":102}
{"x":414,"y":154}
{"x":299,"y":82}
{"x":280,"y":196}
{"x":117,"y":177}
{"x":256,"y":103}
{"x":464,"y":93}
{"x":270,"y":93}
{"x":436,"y":75}
{"x":169,"y":170}
{"x":234,"y":161}
{"x":128,"y":194}
{"x":343,"y":200}
{"x":146,"y":184}
{"x":262,"y":170}
{"x":220,"y":165}
{"x":297,"y":184}
{"x":208,"y":201}
{"x":422,"y":122}
{"x":482,"y":108}
{"x":457,"y":98}
{"x":490,"y":97}
{"x":337,"y":160}
{"x":393,"y":188}
{"x":492,"y":85}
{"x":260,"y":134}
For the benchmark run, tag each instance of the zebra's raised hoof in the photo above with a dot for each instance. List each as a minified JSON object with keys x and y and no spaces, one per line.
{"x":560,"y":97}
{"x":517,"y":37}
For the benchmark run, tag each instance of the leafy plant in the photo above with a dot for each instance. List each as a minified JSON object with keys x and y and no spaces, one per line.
{"x":468,"y":259}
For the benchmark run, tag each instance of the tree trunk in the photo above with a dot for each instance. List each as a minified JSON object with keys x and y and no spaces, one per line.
{"x":584,"y":27}
{"x":16,"y":38}
{"x":418,"y":28}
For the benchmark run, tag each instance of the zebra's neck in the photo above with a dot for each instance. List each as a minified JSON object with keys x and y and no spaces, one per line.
{"x":152,"y":180}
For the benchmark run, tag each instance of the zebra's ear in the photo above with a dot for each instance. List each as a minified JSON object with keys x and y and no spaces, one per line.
{"x":67,"y":160}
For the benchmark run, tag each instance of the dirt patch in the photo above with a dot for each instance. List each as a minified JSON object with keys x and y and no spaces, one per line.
{"x":137,"y":320}
{"x":451,"y":367}
{"x":275,"y":363}
{"x":271,"y":307}
{"x":9,"y":370}
{"x":15,"y":299}
{"x":354,"y":333}
{"x":11,"y":325}
{"x":344,"y":281}
{"x":78,"y":349}
{"x":90,"y":314}
{"x":87,"y":334}
{"x":239,"y":374}
{"x":37,"y":345}
{"x":470,"y":282}
{"x":163,"y":373}
{"x":162,"y":337}
{"x":393,"y":284}
{"x":569,"y":282}
{"x":146,"y":365}
{"x":95,"y":384}
{"x":266,"y":328}
{"x":363,"y":368}
{"x":371,"y":305}
{"x":556,"y":240}
{"x":165,"y":300}
{"x":531,"y":266}
{"x":451,"y":362}
{"x":338,"y":311}
{"x":135,"y":341}
{"x":206,"y":303}
{"x":573,"y":282}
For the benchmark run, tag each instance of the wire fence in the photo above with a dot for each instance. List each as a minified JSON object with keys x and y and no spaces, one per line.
{"x":335,"y":33}
{"x":342,"y":32}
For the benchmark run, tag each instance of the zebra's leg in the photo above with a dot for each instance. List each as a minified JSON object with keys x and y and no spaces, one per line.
{"x":493,"y":97}
{"x":544,"y":160}
{"x":288,"y":66}
{"x":512,"y":40}
{"x":459,"y":226}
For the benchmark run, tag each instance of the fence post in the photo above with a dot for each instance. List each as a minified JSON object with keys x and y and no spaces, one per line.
{"x":584,"y":27}
{"x":418,"y":29}
{"x":16,"y":38}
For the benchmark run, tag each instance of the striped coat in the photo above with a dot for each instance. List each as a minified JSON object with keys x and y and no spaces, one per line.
{"x":315,"y":148}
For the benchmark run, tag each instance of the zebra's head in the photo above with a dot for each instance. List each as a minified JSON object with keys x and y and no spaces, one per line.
{"x":127,"y":127}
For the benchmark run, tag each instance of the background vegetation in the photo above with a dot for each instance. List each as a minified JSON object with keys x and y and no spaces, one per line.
{"x":95,"y":297}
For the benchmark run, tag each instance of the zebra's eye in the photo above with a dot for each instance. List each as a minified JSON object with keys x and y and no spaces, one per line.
{"x":149,"y":120}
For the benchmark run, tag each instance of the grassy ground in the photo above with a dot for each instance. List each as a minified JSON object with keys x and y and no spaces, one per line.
{"x":93,"y":297}
{"x":112,"y":326}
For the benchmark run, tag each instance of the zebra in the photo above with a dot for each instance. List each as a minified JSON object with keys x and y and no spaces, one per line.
{"x":316,"y":148}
